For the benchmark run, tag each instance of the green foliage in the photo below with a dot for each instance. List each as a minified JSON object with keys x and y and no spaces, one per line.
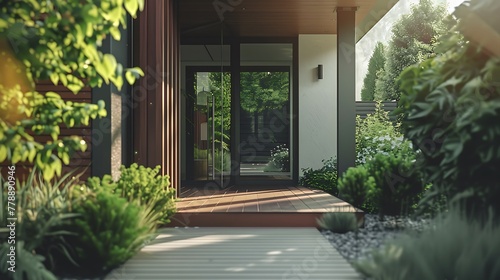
{"x":72,"y":230}
{"x":28,"y":266}
{"x":455,"y":248}
{"x":386,"y":179}
{"x":413,"y":40}
{"x":59,"y":40}
{"x":280,"y":158}
{"x":262,"y":91}
{"x":376,"y":64}
{"x":143,"y":185}
{"x":355,"y":186}
{"x":324,"y":178}
{"x":380,"y":82}
{"x":398,"y":184}
{"x":44,"y":214}
{"x":222,"y":160}
{"x":376,"y":134}
{"x":47,"y":113}
{"x":451,"y":109}
{"x":338,"y":222}
{"x":109,"y":231}
{"x":56,"y":41}
{"x":387,"y":185}
{"x":200,"y":153}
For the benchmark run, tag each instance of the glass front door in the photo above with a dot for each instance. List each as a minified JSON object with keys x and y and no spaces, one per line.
{"x":238,"y":116}
{"x":209,"y":125}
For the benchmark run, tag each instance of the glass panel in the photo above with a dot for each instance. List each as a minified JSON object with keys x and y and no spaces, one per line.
{"x":220,"y":124}
{"x":265,"y":124}
{"x":212,"y":126}
{"x":202,"y":105}
{"x":197,"y":62}
{"x":266,"y":54}
{"x":265,"y":111}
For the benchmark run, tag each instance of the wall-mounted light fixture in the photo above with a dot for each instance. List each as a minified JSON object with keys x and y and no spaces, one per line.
{"x":320,"y":71}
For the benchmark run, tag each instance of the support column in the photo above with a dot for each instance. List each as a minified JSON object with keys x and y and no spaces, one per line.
{"x":346,"y":88}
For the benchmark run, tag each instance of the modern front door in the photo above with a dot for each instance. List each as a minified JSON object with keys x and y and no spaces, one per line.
{"x":239,"y":115}
{"x":208,"y":125}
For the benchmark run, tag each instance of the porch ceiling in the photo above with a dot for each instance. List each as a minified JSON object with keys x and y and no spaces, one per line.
{"x":274,"y":18}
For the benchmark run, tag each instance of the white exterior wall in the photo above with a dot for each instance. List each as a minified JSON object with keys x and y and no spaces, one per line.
{"x":317,"y":100}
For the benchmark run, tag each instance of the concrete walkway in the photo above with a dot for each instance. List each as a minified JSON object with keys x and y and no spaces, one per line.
{"x":237,"y":254}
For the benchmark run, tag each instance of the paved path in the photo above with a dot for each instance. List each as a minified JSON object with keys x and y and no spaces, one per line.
{"x":237,"y":254}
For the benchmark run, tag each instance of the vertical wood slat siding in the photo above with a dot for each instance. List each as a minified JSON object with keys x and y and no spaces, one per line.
{"x":174,"y":129}
{"x":156,"y":117}
{"x":80,"y":160}
{"x":364,"y":108}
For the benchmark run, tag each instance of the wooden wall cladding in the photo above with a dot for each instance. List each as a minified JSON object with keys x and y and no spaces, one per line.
{"x":157,"y":114}
{"x":80,"y":162}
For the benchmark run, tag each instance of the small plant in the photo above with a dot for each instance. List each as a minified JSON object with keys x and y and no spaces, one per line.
{"x":280,"y":159}
{"x":338,"y":222}
{"x":355,"y":186}
{"x":455,"y":248}
{"x":109,"y":231}
{"x":143,"y":185}
{"x":324,"y":178}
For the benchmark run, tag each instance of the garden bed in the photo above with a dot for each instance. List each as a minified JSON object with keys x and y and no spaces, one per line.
{"x":375,"y":233}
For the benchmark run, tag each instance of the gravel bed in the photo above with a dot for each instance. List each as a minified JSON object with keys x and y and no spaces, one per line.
{"x":358,"y":245}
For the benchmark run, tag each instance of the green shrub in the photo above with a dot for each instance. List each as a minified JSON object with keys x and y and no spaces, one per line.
{"x":355,"y":186}
{"x":451,"y":109}
{"x":280,"y":158}
{"x":338,"y":222}
{"x":142,"y":184}
{"x":455,"y":248}
{"x":386,"y":184}
{"x":43,"y":212}
{"x":377,"y":134}
{"x":64,"y":228}
{"x":109,"y":231}
{"x":324,"y":178}
{"x":398,"y":184}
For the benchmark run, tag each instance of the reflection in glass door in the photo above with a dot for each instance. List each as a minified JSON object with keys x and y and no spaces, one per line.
{"x":265,"y":122}
{"x":211,"y":124}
